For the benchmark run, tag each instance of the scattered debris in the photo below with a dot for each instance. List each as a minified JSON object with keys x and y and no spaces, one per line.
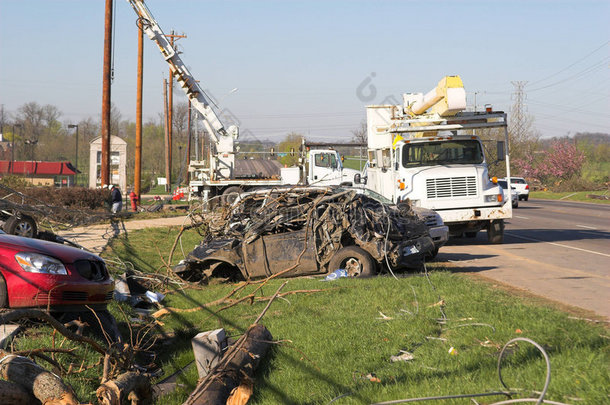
{"x":403,"y":356}
{"x":372,"y":378}
{"x":208,"y":348}
{"x":453,"y":351}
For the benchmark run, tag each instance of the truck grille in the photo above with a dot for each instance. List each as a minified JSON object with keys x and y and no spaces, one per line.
{"x":447,"y":187}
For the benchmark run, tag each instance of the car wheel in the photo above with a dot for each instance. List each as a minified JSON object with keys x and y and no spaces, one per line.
{"x":526,"y":197}
{"x":21,"y":226}
{"x":230,"y":195}
{"x":516,"y":204}
{"x":355,"y":260}
{"x":495,"y":232}
{"x":3,"y":293}
{"x":471,"y":234}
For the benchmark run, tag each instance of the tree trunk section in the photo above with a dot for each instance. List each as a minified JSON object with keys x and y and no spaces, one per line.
{"x":216,"y":387}
{"x":128,"y":386}
{"x":42,"y":384}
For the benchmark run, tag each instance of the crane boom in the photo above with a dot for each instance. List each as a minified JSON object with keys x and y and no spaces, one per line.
{"x":221,"y":136}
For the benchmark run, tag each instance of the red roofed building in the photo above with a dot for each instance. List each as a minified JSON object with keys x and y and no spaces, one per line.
{"x":60,"y":174}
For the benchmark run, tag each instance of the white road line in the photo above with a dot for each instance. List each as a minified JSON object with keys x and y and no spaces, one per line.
{"x":585,"y":226}
{"x":557,"y":244}
{"x":517,"y":216}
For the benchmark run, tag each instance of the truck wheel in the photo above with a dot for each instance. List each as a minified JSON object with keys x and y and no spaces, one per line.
{"x":23,"y":226}
{"x":230,"y":195}
{"x":3,"y":293}
{"x":495,"y":232}
{"x":471,"y":234}
{"x":355,"y":260}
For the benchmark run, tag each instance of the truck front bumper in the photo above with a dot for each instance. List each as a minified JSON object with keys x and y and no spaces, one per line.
{"x":476,"y":214}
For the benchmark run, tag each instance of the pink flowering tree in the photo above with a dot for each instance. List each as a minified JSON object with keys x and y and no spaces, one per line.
{"x":561,"y":162}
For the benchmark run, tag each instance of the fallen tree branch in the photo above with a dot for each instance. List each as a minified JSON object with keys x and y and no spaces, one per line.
{"x":16,"y":314}
{"x":232,"y":302}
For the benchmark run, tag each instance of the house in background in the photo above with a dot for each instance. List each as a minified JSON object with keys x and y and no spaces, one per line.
{"x":59,"y":174}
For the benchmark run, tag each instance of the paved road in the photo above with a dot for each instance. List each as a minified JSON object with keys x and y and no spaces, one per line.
{"x":555,"y":249}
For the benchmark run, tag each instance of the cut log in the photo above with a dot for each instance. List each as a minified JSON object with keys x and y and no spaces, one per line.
{"x":42,"y":384}
{"x":238,"y":364}
{"x":13,"y":394}
{"x":130,"y":386}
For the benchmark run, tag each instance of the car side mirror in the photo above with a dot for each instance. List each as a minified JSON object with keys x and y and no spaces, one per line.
{"x":500,"y":150}
{"x":357,"y":178}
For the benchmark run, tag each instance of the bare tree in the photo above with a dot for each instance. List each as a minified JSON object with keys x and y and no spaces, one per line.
{"x":359,"y":134}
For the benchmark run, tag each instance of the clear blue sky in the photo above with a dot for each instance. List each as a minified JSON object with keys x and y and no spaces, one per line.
{"x":298,"y":64}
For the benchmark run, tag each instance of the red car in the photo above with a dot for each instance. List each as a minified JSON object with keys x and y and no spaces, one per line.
{"x":40,"y":274}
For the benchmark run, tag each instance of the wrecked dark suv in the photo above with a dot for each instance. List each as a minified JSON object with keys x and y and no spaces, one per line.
{"x":306,"y":231}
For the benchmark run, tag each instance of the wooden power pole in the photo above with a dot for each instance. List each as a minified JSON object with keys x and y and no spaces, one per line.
{"x":105,"y":169}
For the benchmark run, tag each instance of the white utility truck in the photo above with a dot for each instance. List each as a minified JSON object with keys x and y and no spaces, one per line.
{"x":419,"y":151}
{"x":223,"y":173}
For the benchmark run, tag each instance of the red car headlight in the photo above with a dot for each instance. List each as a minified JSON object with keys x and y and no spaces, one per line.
{"x":37,"y":263}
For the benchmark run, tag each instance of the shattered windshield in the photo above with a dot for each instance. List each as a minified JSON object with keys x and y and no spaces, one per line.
{"x":442,"y":153}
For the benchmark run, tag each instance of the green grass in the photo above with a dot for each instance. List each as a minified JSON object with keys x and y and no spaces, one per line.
{"x":354,"y":162}
{"x":329,"y":341}
{"x":570,"y":196}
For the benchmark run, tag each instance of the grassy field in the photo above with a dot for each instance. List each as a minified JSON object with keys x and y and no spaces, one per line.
{"x":339,"y":339}
{"x":570,"y":196}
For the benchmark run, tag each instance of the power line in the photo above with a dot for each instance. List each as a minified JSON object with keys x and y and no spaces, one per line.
{"x":583,"y":72}
{"x":568,"y":67}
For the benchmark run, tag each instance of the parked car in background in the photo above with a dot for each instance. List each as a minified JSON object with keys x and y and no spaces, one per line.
{"x":513,"y":193}
{"x":523,"y":189}
{"x":16,"y":223}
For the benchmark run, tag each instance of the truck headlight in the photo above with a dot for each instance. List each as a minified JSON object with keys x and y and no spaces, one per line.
{"x":37,"y":263}
{"x":493,"y":198}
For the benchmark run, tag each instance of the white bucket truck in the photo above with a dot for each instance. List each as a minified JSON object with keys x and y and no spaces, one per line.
{"x":419,"y":151}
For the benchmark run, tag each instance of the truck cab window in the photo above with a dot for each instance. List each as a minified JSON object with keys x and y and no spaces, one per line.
{"x":442,"y":153}
{"x":325,"y":160}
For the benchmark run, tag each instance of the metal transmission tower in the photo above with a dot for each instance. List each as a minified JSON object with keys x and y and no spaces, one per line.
{"x":518,"y":117}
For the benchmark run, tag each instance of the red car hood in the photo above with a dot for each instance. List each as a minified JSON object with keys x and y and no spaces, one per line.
{"x":66,"y":254}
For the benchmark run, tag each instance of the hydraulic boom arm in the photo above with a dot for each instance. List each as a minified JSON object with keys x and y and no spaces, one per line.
{"x":186,"y":80}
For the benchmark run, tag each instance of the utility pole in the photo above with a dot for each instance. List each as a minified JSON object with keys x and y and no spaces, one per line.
{"x":517,"y":111}
{"x":105,"y":169}
{"x":168,"y":171}
{"x":170,"y":110}
{"x":138,"y":158}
